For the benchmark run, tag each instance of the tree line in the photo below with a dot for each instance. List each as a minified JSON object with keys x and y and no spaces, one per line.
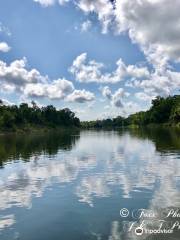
{"x":25,"y":116}
{"x":162,"y":111}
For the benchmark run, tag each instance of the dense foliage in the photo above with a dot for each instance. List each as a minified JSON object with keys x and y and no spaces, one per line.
{"x":163,"y":110}
{"x":12,"y":117}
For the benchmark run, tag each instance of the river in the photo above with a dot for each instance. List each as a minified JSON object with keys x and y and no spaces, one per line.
{"x":90,"y":185}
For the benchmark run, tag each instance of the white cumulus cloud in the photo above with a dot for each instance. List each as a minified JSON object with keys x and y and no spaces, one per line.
{"x":30,"y":83}
{"x":88,"y":71}
{"x":17,"y":76}
{"x":58,"y":89}
{"x":81,"y":96}
{"x":116,"y":98}
{"x":103,"y":8}
{"x":106,"y":92}
{"x":4,"y":47}
{"x":153,"y":24}
{"x":47,"y":3}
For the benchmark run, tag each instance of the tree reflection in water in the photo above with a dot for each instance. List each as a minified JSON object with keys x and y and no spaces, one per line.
{"x":92,"y":175}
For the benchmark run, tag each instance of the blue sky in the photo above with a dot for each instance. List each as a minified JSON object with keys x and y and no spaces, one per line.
{"x":73,"y":48}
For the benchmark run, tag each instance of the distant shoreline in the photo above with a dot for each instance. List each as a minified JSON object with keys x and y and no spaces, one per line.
{"x":24,"y":118}
{"x":164,"y":111}
{"x":164,"y":125}
{"x":41,"y":130}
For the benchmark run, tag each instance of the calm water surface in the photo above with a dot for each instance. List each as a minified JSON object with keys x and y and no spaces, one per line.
{"x":72,"y":186}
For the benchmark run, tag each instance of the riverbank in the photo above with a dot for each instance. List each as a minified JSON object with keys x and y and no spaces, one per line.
{"x":37,"y":129}
{"x":134,"y":126}
{"x":44,"y":129}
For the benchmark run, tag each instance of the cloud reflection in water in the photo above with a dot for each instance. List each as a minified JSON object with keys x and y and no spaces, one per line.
{"x":97,"y":164}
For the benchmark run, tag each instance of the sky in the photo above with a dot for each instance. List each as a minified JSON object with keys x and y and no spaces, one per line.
{"x":100,"y":58}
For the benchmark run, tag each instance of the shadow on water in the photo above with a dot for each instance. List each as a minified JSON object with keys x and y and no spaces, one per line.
{"x":165,"y":139}
{"x":23,"y":146}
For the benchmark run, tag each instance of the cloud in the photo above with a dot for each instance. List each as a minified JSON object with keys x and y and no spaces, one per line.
{"x":4,"y":47}
{"x":131,"y":70}
{"x":62,"y":2}
{"x":153,"y":24}
{"x":85,"y":26}
{"x":143,"y":96}
{"x":57,"y":89}
{"x":88,"y":71}
{"x":116,"y":98}
{"x":106,"y":92}
{"x":80,"y":96}
{"x":17,"y":76}
{"x":47,"y":3}
{"x":6,"y":102}
{"x":131,"y":107}
{"x":121,"y":108}
{"x":30,"y":83}
{"x":157,"y":84}
{"x":103,"y":8}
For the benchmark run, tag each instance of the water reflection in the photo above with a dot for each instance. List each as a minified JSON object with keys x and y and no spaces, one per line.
{"x":134,"y":169}
{"x":6,"y":221}
{"x":23,"y":146}
{"x":165,"y":139}
{"x":132,"y":163}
